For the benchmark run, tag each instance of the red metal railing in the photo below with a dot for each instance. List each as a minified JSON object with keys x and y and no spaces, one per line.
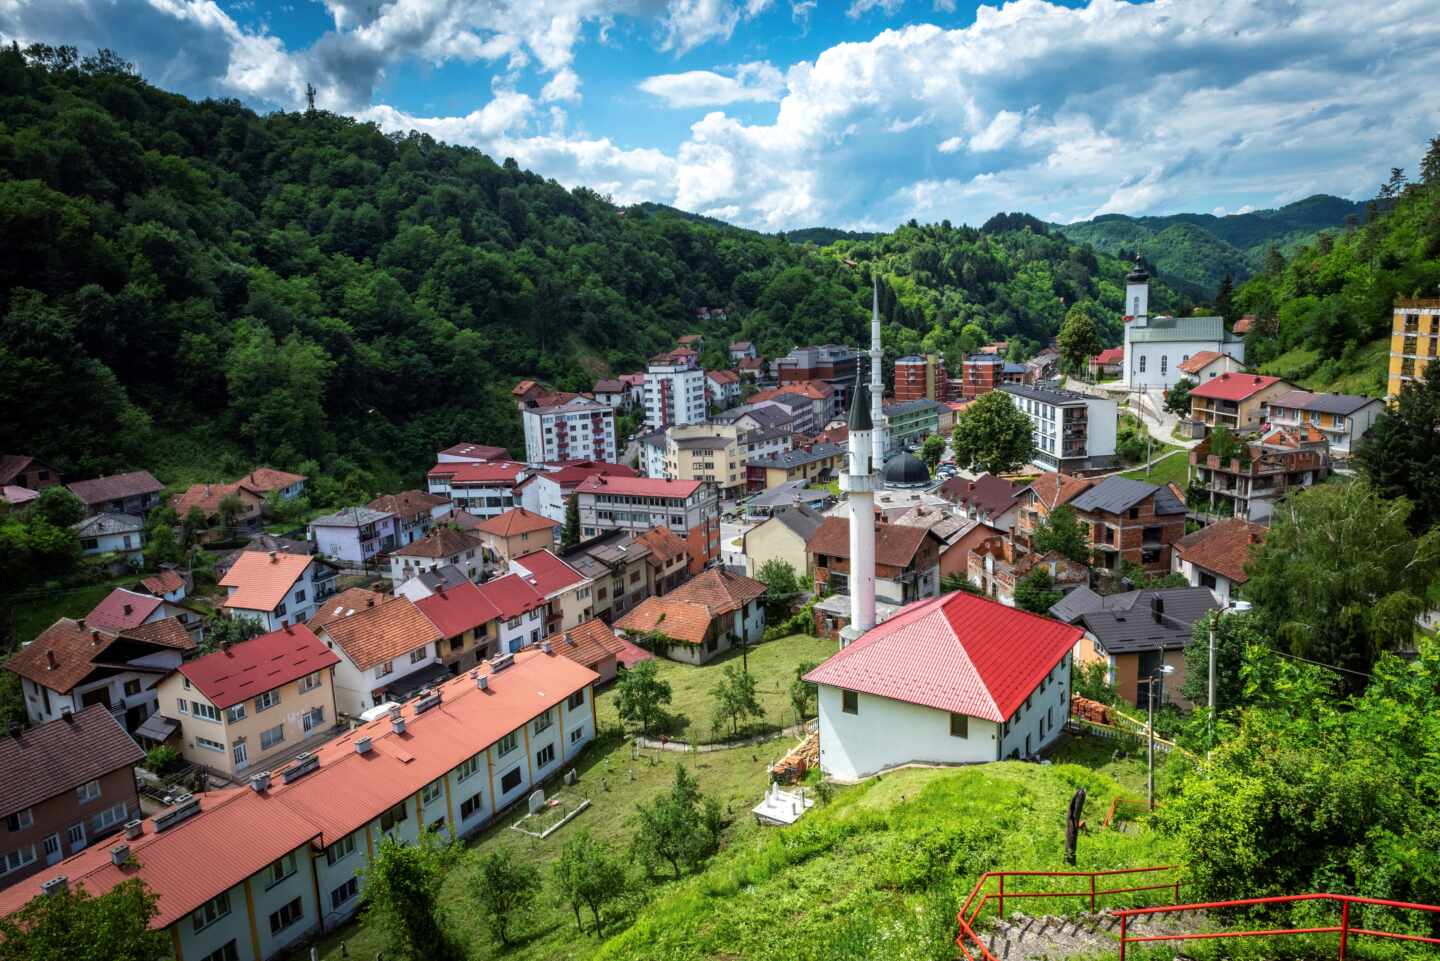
{"x":966,"y":917}
{"x":1345,"y":929}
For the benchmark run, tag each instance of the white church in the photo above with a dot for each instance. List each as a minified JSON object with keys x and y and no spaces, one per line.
{"x":1155,"y":347}
{"x":956,"y":679}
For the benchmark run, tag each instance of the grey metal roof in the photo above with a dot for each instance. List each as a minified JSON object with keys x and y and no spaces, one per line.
{"x":1116,"y":494}
{"x":790,"y":492}
{"x":800,"y":519}
{"x":1077,"y":602}
{"x":798,"y":456}
{"x":1131,"y":622}
{"x":447,"y":576}
{"x":1045,"y":395}
{"x":1343,"y":404}
{"x":351,"y":517}
{"x":1161,"y":329}
{"x":1015,"y":368}
{"x":704,"y":443}
{"x":102,"y":524}
{"x":911,"y":407}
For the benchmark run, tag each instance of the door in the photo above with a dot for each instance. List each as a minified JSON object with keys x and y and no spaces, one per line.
{"x":76,"y":837}
{"x":242,"y":756}
{"x":53,"y":850}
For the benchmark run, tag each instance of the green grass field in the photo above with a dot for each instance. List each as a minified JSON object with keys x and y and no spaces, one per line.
{"x":773,"y":663}
{"x":1175,"y":468}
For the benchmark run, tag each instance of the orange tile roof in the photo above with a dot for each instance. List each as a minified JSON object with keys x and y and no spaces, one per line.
{"x":517,"y":520}
{"x":590,"y":643}
{"x":1243,"y":325}
{"x":1223,"y":547}
{"x":895,"y":545}
{"x":207,"y":498}
{"x":665,"y":545}
{"x":1198,"y":360}
{"x":1071,"y":487}
{"x":407,"y":504}
{"x":678,"y":620}
{"x":199,"y":857}
{"x":720,"y":591}
{"x":261,"y":580}
{"x":261,"y":664}
{"x":382,"y":632}
{"x":163,"y":582}
{"x":76,"y":649}
{"x":344,"y":604}
{"x":263,"y":480}
{"x":167,"y":632}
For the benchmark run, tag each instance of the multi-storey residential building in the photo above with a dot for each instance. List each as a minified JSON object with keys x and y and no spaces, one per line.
{"x":516,"y":532}
{"x":416,"y":512}
{"x":907,"y":560}
{"x":248,"y":702}
{"x":689,"y":509}
{"x":831,"y":363}
{"x":548,"y":490}
{"x":248,"y":874}
{"x":706,"y":452}
{"x":1045,"y":493}
{"x":579,"y":429}
{"x":1131,"y":522}
{"x":355,"y":534}
{"x":387,"y":652}
{"x":1236,"y":401}
{"x":1344,"y":419}
{"x":272,"y":588}
{"x":921,"y":378}
{"x":764,"y":442}
{"x":618,"y":566}
{"x":469,"y":621}
{"x":912,"y":421}
{"x":68,"y":783}
{"x":73,"y":665}
{"x":483,"y":489}
{"x":1072,"y":431}
{"x":444,"y":546}
{"x":981,"y":374}
{"x":524,"y":612}
{"x":568,"y":594}
{"x":137,"y":492}
{"x":1249,"y":484}
{"x":674,"y":390}
{"x":1414,"y":341}
{"x":722,"y":388}
{"x":812,"y":463}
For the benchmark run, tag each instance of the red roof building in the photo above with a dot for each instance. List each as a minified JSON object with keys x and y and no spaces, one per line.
{"x":956,"y":679}
{"x":122,"y":610}
{"x":242,"y":671}
{"x":1234,"y":400}
{"x":1109,"y":357}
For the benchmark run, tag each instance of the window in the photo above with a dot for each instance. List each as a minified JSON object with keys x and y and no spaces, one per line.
{"x":388,"y":667}
{"x":209,"y":745}
{"x":419,"y":654}
{"x":207,"y":711}
{"x":109,"y":817}
{"x":87,"y":792}
{"x":507,"y":744}
{"x":132,"y":688}
{"x":20,"y":820}
{"x":309,"y":682}
{"x":312,"y":719}
{"x":849,"y":702}
{"x":472,"y":805}
{"x":17,"y":859}
{"x":430,"y":793}
{"x":544,"y":756}
{"x":1164,"y":362}
{"x":236,"y":713}
{"x":541,"y":723}
{"x":340,"y":850}
{"x":183,"y":705}
{"x":211,"y":911}
{"x":577,"y":734}
{"x":225,"y":952}
{"x":280,"y":870}
{"x":299,"y":597}
{"x":959,"y":725}
{"x":1142,"y":363}
{"x":344,"y":893}
{"x":394,"y":816}
{"x":267,"y":700}
{"x":75,"y":834}
{"x":510,"y":781}
{"x":513,"y":622}
{"x":286,"y":916}
{"x":468,"y":767}
{"x":272,"y":737}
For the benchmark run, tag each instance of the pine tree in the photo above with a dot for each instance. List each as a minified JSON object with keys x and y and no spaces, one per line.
{"x":570,"y":534}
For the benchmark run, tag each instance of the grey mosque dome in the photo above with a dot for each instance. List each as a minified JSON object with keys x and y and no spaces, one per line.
{"x":906,"y":470}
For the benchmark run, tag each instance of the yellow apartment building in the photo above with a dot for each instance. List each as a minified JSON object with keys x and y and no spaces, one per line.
{"x":1414,"y":341}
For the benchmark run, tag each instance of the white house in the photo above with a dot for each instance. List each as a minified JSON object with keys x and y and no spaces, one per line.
{"x":441,"y":547}
{"x":1207,"y":365}
{"x":955,"y":680}
{"x":387,"y":652}
{"x":415,"y":512}
{"x":1214,"y":557}
{"x":120,"y":534}
{"x":524,"y":611}
{"x":1072,"y":431}
{"x":479,"y":488}
{"x":355,"y":534}
{"x":703,"y":617}
{"x":578,"y":429}
{"x":270,"y":587}
{"x":1344,"y":419}
{"x":1155,"y":347}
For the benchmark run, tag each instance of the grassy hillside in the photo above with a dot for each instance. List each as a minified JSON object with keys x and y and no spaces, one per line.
{"x":1362,"y":371}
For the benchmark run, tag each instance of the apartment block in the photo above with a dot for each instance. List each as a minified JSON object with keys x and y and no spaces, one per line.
{"x":674,"y":390}
{"x":831,"y":363}
{"x":921,"y":378}
{"x":578,"y":429}
{"x":1414,"y":341}
{"x":688,"y":509}
{"x":1072,"y":431}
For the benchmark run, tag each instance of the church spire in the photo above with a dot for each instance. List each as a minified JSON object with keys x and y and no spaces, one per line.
{"x":880,"y":438}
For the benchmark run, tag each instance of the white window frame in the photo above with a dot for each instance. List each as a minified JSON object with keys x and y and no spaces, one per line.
{"x":87,"y":792}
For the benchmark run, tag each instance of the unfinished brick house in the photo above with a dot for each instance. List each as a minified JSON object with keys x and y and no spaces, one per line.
{"x":1248,"y":484}
{"x":907,"y":560}
{"x":1130,"y":521}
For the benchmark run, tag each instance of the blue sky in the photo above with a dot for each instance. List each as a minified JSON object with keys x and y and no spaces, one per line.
{"x":778,"y":114}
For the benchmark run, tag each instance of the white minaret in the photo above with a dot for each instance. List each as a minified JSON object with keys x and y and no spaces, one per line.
{"x":877,"y":388}
{"x":858,"y":483}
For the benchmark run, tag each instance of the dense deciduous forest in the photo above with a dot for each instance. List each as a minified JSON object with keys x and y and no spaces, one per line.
{"x":191,"y":287}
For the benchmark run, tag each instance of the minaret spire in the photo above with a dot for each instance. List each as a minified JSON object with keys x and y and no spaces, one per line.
{"x":858,"y":483}
{"x":881,"y":435}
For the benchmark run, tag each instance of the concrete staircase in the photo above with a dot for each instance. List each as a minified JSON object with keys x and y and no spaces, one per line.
{"x":1052,"y":938}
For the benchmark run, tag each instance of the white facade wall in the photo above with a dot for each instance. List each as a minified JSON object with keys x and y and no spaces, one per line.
{"x":542,"y":495}
{"x":652,"y":461}
{"x":1153,"y":365}
{"x":1221,"y":587}
{"x":346,"y":543}
{"x":42,"y":705}
{"x":355,"y":689}
{"x":470,"y":562}
{"x":520,"y":632}
{"x":297,"y":608}
{"x":686,"y":397}
{"x":126,"y":544}
{"x":581,"y":443}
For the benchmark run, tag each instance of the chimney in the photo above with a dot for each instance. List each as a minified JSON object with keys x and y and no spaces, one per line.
{"x":50,"y":662}
{"x":128,"y":610}
{"x":56,"y":885}
{"x":397,"y":723}
{"x":260,"y":783}
{"x":362,"y":745}
{"x":483,"y":682}
{"x":94,"y":637}
{"x":545,"y":646}
{"x":119,"y":854}
{"x":80,"y":623}
{"x":569,"y":639}
{"x":274,"y":557}
{"x":134,"y":828}
{"x":1157,"y":608}
{"x":68,"y":715}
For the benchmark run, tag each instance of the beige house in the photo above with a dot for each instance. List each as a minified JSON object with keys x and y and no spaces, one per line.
{"x":515,"y":532}
{"x":469,"y":621}
{"x":253,"y":701}
{"x":781,"y":538}
{"x":569,"y":593}
{"x":706,"y":452}
{"x":1236,"y":401}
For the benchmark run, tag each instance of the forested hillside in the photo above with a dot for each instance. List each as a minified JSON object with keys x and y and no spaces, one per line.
{"x":1324,"y":314}
{"x":1196,"y":251}
{"x":191,"y":287}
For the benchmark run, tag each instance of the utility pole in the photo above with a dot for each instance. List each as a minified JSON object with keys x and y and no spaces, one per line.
{"x":1150,"y":753}
{"x":1211,"y":687}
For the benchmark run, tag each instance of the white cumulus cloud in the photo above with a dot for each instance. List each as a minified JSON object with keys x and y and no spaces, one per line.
{"x":759,"y":82}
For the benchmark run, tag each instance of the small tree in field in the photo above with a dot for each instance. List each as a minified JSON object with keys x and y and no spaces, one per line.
{"x":680,"y":828}
{"x":402,"y":897}
{"x":640,"y":696}
{"x":504,"y":888}
{"x":735,"y":699}
{"x":589,"y":875}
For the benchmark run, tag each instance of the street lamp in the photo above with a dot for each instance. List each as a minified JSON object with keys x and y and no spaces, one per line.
{"x":1160,"y":673}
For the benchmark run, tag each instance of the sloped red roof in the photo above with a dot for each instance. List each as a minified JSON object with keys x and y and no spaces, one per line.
{"x":678,"y":620}
{"x":1222,"y":547}
{"x":512,"y":595}
{"x":517,"y":520}
{"x":720,"y":591}
{"x":895,"y":544}
{"x":1110,"y":355}
{"x":260,"y":664}
{"x":478,"y":472}
{"x":458,"y":609}
{"x":1233,"y":386}
{"x":665,"y":545}
{"x":1199,"y":359}
{"x":1242,"y":326}
{"x":959,"y":653}
{"x":590,"y":643}
{"x":723,"y":376}
{"x":77,"y":648}
{"x":547,"y":573}
{"x":263,"y":480}
{"x":54,"y":758}
{"x":439,"y":542}
{"x":571,"y":474}
{"x":123,"y":609}
{"x":207,"y":498}
{"x":638,"y":486}
{"x":163,"y":582}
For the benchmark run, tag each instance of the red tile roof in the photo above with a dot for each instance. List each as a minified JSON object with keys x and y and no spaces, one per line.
{"x":260,"y":664}
{"x":78,"y":648}
{"x":515,"y":521}
{"x":590,"y":643}
{"x":51,"y":759}
{"x":809,"y":389}
{"x":573,"y":473}
{"x":262,"y":579}
{"x":116,"y":487}
{"x":478,"y":472}
{"x":895,"y":544}
{"x":665,"y":545}
{"x":678,"y":620}
{"x":167,"y":632}
{"x":382,"y":633}
{"x":512,"y":595}
{"x":959,"y":653}
{"x":1198,"y":360}
{"x":123,"y":609}
{"x":344,"y":604}
{"x":1242,"y":326}
{"x":750,"y":363}
{"x":1222,"y":547}
{"x":263,"y":480}
{"x":458,"y":609}
{"x":987,"y":493}
{"x":207,"y":498}
{"x":408,"y":504}
{"x":719,"y":591}
{"x":1110,"y":355}
{"x":347,"y":791}
{"x":1233,"y":386}
{"x":639,"y":486}
{"x":1070,"y":487}
{"x":723,"y":376}
{"x":163,"y":582}
{"x":477,"y":452}
{"x":547,"y":573}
